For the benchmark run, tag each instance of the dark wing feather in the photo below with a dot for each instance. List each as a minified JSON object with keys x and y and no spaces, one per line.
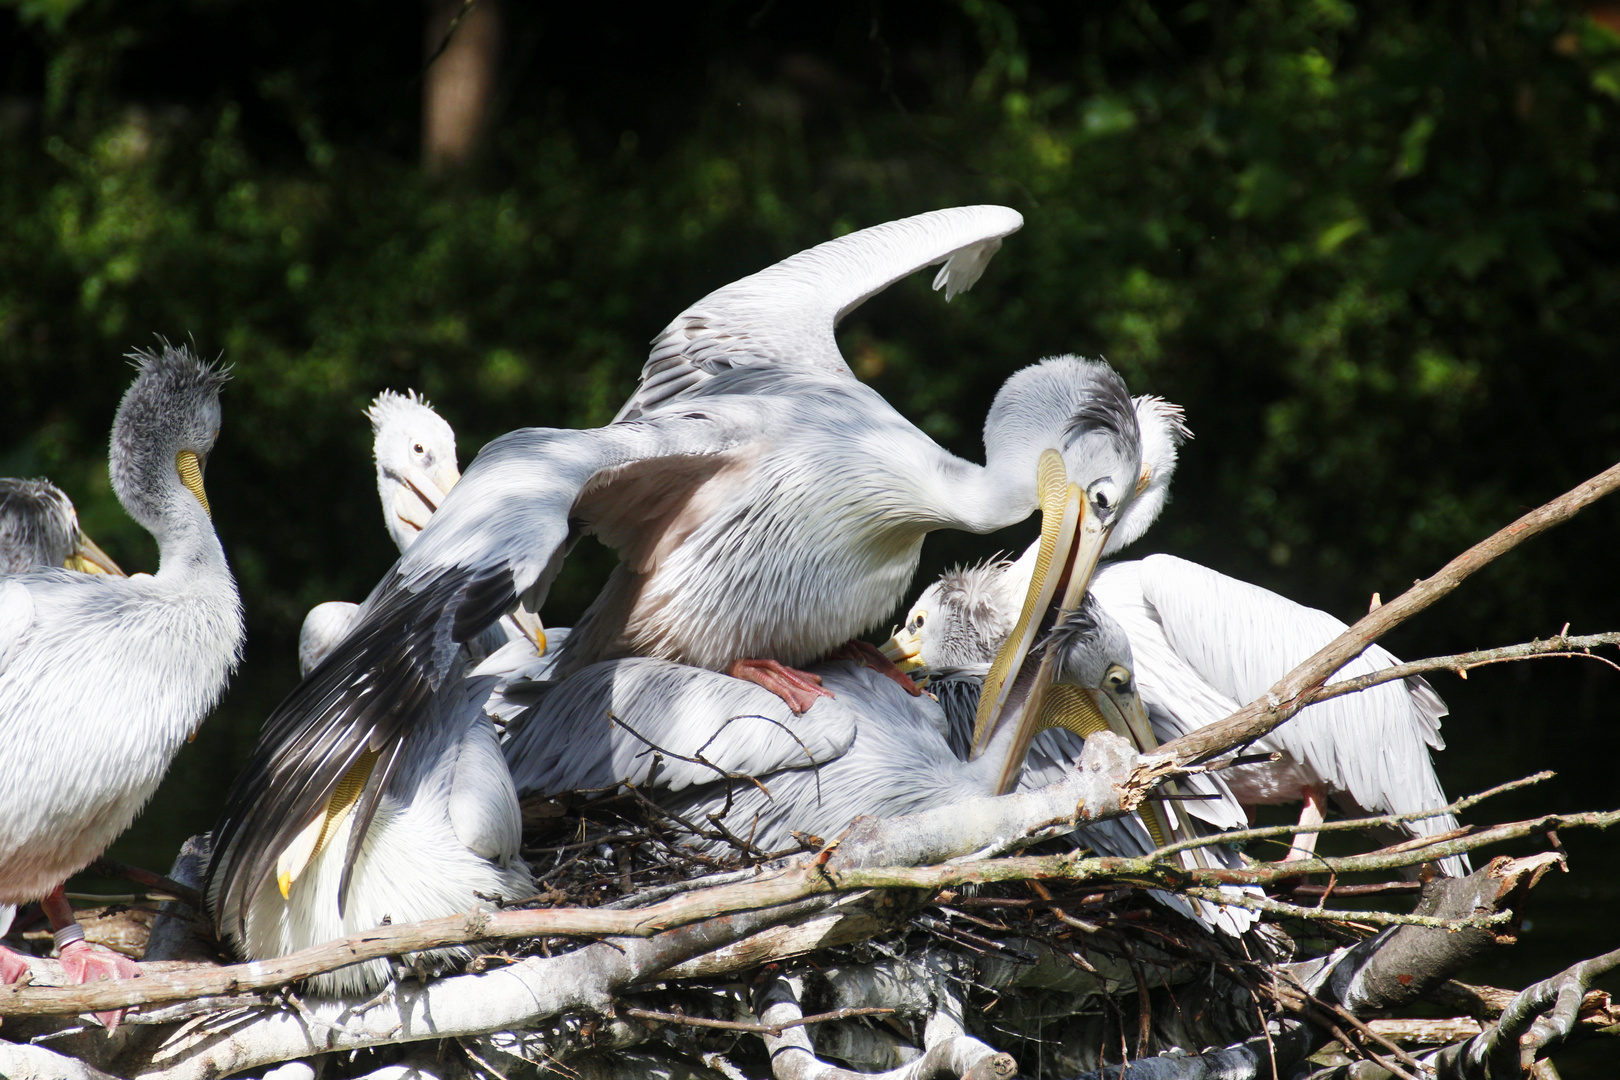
{"x":498,"y":535}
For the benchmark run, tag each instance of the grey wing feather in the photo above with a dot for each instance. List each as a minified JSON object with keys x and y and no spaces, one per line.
{"x":500,"y":534}
{"x":1371,"y":747}
{"x":657,"y":723}
{"x":785,"y":315}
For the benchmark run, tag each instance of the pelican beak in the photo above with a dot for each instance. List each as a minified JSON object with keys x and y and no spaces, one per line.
{"x":421,"y":494}
{"x":904,"y":649}
{"x":1071,"y":543}
{"x":315,"y":836}
{"x":87,"y":558}
{"x":189,"y":464}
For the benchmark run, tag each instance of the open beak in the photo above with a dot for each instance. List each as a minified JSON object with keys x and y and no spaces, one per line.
{"x":904,"y":649}
{"x":416,"y":501}
{"x":87,"y":558}
{"x":1071,"y":544}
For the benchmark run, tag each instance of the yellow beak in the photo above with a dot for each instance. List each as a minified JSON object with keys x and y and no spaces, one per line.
{"x":1071,"y":545}
{"x":904,"y":649}
{"x":87,"y":558}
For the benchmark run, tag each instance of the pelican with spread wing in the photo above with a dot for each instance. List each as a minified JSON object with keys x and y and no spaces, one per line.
{"x":766,"y":506}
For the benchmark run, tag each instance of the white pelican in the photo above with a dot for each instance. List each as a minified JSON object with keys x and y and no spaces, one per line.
{"x":415,"y":451}
{"x":1205,"y":645}
{"x":103,"y":678}
{"x":696,"y":740}
{"x":39,"y":527}
{"x":767,"y":507}
{"x":447,"y":832}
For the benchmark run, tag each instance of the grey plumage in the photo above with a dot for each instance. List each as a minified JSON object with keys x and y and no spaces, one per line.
{"x":103,"y":678}
{"x":37,"y":525}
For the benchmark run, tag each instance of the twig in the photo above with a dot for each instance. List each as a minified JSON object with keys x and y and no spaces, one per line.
{"x":1559,"y":645}
{"x":744,"y":1025}
{"x":1371,"y":918}
{"x":1234,"y":836}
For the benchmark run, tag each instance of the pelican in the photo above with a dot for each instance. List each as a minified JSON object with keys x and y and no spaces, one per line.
{"x":967,"y":615}
{"x":415,"y":451}
{"x":1205,"y":645}
{"x":767,"y":507}
{"x":103,"y":678}
{"x":39,"y":527}
{"x":698,"y":740}
{"x":447,"y":832}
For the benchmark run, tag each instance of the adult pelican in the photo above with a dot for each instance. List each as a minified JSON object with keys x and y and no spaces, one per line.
{"x":1205,"y":645}
{"x":765,"y":513}
{"x":103,"y":678}
{"x":39,"y":527}
{"x":415,"y":452}
{"x":447,"y":833}
{"x":710,"y":748}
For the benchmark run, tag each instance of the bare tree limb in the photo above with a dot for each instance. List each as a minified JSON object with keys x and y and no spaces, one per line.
{"x":1559,"y":645}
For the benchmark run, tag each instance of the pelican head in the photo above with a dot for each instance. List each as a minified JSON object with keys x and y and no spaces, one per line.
{"x":416,"y":461}
{"x":165,"y":427}
{"x":39,"y":527}
{"x":1071,"y":425}
{"x":961,"y":620}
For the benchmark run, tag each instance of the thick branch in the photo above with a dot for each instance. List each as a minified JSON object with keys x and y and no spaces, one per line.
{"x":1288,"y":696}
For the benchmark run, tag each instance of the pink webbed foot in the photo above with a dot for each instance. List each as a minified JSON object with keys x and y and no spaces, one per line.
{"x":799,"y":689}
{"x":864,"y":652}
{"x":83,"y":962}
{"x":13,"y":968}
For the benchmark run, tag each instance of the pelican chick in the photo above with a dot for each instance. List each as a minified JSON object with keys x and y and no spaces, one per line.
{"x":415,"y":452}
{"x":103,"y":678}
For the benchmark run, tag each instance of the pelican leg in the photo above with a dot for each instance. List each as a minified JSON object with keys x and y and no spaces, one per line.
{"x":799,"y":689}
{"x":1312,"y":814}
{"x":12,"y":966}
{"x":83,"y":962}
{"x":864,"y":652}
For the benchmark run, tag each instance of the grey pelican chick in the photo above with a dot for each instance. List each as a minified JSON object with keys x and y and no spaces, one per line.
{"x":446,"y":835}
{"x":103,"y":678}
{"x":415,"y":451}
{"x":772,"y":507}
{"x":956,"y":628}
{"x":39,"y":527}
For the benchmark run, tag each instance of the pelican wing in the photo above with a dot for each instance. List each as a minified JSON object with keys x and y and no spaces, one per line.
{"x":660,"y":724}
{"x":501,"y":534}
{"x":1372,"y":746}
{"x":784,"y":316}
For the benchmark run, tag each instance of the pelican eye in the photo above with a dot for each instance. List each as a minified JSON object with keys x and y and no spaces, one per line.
{"x":917,"y":621}
{"x":1118,"y":678}
{"x":1104,"y":494}
{"x":418,"y":449}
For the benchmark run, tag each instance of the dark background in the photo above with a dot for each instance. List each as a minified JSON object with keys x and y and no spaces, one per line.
{"x":1373,"y":252}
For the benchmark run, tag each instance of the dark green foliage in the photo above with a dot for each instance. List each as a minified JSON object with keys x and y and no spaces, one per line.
{"x":1373,"y":250}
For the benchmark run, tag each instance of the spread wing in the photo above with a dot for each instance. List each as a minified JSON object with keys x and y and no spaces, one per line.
{"x":660,"y":724}
{"x":501,"y":534}
{"x":784,"y":316}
